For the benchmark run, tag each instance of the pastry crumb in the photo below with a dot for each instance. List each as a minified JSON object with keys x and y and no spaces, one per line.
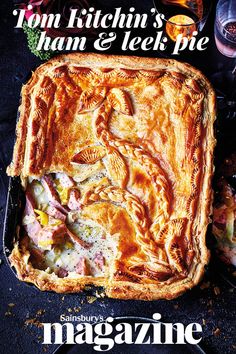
{"x":205,"y":285}
{"x":216,"y":290}
{"x":87,"y":288}
{"x":91,"y":299}
{"x":209,"y":303}
{"x":216,"y":332}
{"x":100,"y":294}
{"x":77,"y":309}
{"x":34,"y":322}
{"x":40,"y":312}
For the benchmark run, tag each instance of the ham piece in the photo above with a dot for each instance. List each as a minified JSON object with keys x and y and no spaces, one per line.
{"x":78,"y":240}
{"x":50,"y":236}
{"x":53,"y":235}
{"x":47,"y":183}
{"x":74,"y":199}
{"x":55,"y":213}
{"x":62,"y":273}
{"x":99,"y":260}
{"x":34,"y":227}
{"x":82,"y":267}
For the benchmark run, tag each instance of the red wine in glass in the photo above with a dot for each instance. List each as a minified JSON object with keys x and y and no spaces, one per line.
{"x":225,"y":37}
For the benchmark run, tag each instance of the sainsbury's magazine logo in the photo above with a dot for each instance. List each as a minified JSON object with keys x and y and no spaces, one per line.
{"x":103,"y":336}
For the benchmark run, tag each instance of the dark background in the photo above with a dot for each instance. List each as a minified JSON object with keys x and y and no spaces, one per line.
{"x":23,"y":308}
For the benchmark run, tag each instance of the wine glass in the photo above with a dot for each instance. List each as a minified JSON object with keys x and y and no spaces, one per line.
{"x":225,"y":27}
{"x":225,"y":38}
{"x":183,"y":16}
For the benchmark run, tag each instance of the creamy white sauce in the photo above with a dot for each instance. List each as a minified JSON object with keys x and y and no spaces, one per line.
{"x":68,"y":254}
{"x":68,"y":257}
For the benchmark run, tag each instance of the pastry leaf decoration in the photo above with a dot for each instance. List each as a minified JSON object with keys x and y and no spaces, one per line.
{"x":175,"y":232}
{"x":120,"y":101}
{"x":117,"y":168}
{"x":91,"y":99}
{"x":89,"y":155}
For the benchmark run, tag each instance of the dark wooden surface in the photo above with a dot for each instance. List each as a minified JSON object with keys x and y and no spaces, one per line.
{"x":21,"y":303}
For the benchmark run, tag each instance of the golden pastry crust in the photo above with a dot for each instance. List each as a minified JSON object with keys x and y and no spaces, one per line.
{"x":151,"y":122}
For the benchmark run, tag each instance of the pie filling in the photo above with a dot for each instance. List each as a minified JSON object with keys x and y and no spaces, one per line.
{"x":60,"y":239}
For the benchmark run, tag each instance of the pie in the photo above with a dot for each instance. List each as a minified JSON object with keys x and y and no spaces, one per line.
{"x":115,"y":155}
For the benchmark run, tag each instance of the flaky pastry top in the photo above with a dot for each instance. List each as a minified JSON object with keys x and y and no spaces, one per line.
{"x":149,"y":122}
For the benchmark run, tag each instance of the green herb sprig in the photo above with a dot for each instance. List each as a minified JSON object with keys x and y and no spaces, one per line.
{"x":33,"y":35}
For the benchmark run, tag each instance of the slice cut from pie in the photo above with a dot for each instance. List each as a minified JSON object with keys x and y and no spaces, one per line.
{"x":115,"y":155}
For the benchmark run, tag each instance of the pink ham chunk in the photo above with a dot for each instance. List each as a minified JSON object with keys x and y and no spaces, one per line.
{"x":65,"y":181}
{"x":51,"y":235}
{"x":30,"y":204}
{"x":47,"y":183}
{"x":33,"y":230}
{"x":78,"y":240}
{"x":82,"y":267}
{"x":55,"y":213}
{"x":62,"y":273}
{"x":74,"y":199}
{"x":34,"y":227}
{"x":99,"y":260}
